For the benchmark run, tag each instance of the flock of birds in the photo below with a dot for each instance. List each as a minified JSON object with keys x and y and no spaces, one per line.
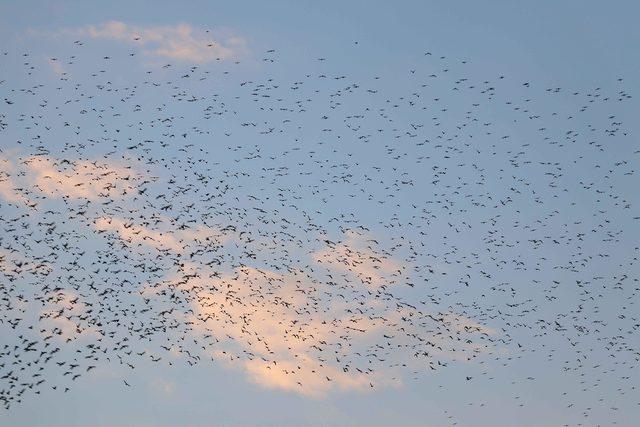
{"x":319,"y":231}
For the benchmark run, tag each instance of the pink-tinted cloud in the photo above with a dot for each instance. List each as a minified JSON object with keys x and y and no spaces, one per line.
{"x":279,"y":330}
{"x":79,"y":179}
{"x":167,"y":237}
{"x":181,"y":42}
{"x":139,"y":235}
{"x":356,"y":257}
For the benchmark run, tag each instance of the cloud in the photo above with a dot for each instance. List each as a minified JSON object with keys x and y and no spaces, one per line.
{"x":181,"y":42}
{"x":358,"y":258}
{"x":306,"y":376}
{"x":8,"y":187}
{"x":54,"y":178}
{"x":79,"y":179}
{"x":64,"y":313}
{"x":257,"y":321}
{"x":288,"y":331}
{"x":139,"y":235}
{"x":285,"y":333}
{"x":15,"y":264}
{"x":164,"y":236}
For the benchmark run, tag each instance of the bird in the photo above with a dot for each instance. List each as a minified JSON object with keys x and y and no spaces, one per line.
{"x":337,"y":229}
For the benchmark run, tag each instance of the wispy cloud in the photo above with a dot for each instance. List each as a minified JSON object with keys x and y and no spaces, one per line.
{"x":278,"y":330}
{"x":80,"y":178}
{"x":181,"y":42}
{"x":54,"y":178}
{"x":8,"y":188}
{"x":281,"y":350}
{"x":355,"y":256}
{"x":67,"y":326}
{"x":290,"y":331}
{"x":164,"y":236}
{"x":138,"y":235}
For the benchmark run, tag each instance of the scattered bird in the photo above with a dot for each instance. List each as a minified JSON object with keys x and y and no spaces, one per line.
{"x":335,"y":226}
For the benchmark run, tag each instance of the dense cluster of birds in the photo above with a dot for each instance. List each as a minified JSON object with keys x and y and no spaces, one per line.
{"x":316,"y":229}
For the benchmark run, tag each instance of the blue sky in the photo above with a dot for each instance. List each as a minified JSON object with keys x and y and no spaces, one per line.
{"x":444,"y":110}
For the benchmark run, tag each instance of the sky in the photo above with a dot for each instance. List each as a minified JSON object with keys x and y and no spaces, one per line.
{"x":471,"y":159}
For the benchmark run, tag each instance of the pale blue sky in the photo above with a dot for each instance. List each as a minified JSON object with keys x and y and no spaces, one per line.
{"x":576,"y":45}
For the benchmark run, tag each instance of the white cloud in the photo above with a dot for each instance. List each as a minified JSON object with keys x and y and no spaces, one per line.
{"x":181,"y":42}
